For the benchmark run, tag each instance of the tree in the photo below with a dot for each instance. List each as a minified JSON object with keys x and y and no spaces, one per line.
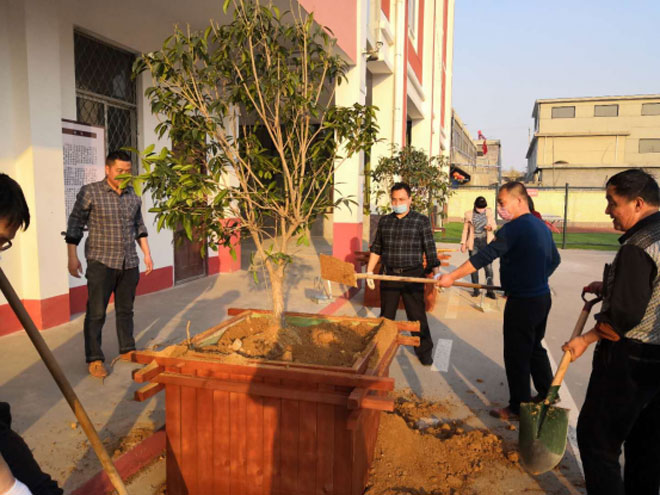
{"x":429,"y":184}
{"x":250,"y":106}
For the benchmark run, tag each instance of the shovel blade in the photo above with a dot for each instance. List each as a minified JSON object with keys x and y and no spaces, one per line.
{"x":542,"y":436}
{"x":336,"y":270}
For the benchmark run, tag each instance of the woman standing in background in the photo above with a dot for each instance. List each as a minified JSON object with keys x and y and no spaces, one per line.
{"x":478,"y":230}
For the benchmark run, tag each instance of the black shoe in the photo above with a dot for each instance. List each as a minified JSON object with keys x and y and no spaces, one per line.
{"x":491,"y":294}
{"x":426,"y":359}
{"x":476,"y":292}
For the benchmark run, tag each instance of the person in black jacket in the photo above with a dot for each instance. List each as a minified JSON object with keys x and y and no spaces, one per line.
{"x":403,"y":239}
{"x":14,"y":214}
{"x":622,"y":406}
{"x":528,"y":256}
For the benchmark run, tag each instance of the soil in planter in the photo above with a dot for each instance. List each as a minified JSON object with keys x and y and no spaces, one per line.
{"x":419,"y":452}
{"x":329,"y":343}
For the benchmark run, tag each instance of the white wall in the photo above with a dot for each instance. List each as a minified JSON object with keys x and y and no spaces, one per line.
{"x":37,"y":90}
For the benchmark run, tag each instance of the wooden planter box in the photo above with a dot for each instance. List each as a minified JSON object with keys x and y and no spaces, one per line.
{"x":268,"y":427}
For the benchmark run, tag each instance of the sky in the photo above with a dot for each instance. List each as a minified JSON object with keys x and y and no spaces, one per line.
{"x":509,"y":53}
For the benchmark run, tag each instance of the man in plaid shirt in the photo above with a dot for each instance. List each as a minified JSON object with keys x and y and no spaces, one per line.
{"x":114,"y":219}
{"x":402,"y":238}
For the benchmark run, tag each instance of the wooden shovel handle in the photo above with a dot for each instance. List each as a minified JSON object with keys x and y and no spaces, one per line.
{"x":62,"y":382}
{"x":420,"y":280}
{"x":579,"y":326}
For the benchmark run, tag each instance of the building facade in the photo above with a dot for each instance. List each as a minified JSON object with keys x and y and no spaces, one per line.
{"x":69,"y":61}
{"x":488,"y":164}
{"x":584,"y":141}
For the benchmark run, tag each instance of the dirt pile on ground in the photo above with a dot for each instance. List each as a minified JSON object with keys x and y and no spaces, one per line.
{"x":325,"y":343}
{"x":419,"y":451}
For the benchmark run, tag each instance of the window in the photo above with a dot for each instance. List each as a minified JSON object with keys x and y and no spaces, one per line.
{"x":105,"y":92}
{"x":649,"y":145}
{"x":412,"y":18}
{"x":563,"y":112}
{"x":650,"y":108}
{"x":606,"y":110}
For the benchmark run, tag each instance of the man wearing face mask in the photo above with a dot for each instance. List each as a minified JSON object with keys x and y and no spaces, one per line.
{"x":528,"y":256}
{"x":402,"y":239}
{"x":478,"y":230}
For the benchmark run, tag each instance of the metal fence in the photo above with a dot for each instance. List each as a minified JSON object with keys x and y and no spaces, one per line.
{"x":575,"y":214}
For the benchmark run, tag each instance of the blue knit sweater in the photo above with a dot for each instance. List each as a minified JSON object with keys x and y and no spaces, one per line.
{"x":527,"y":253}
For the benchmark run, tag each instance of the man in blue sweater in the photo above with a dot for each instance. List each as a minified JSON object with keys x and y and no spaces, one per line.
{"x":528,"y":256}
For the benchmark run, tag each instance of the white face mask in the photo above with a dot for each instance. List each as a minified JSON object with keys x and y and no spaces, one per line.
{"x":504,"y":213}
{"x":400,"y":209}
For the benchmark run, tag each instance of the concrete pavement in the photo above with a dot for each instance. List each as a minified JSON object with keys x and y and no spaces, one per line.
{"x":470,"y":374}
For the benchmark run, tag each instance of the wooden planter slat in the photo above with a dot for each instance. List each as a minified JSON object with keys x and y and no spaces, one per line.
{"x":189,"y":438}
{"x":269,"y":429}
{"x":360,"y":365}
{"x":198,"y":340}
{"x":412,"y":341}
{"x":148,"y":372}
{"x":253,"y":389}
{"x":175,"y":481}
{"x":272,"y":443}
{"x":289,"y":445}
{"x":204,"y":405}
{"x":149,"y":390}
{"x":255,"y":439}
{"x":221,"y":443}
{"x":330,"y":377}
{"x":307,"y":446}
{"x":304,"y":366}
{"x":238,"y":442}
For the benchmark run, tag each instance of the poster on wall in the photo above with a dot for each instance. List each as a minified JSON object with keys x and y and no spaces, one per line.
{"x":83,"y":148}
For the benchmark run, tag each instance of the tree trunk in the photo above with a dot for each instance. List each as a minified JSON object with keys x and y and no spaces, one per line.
{"x":276,"y":273}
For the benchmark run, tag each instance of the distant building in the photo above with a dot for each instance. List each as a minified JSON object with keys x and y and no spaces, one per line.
{"x":489,"y":164}
{"x":469,"y":165}
{"x":584,"y":141}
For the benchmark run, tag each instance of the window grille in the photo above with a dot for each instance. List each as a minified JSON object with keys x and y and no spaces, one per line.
{"x":105,"y":92}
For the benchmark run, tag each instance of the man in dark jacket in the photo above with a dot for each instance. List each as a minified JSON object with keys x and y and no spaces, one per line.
{"x":528,"y":256}
{"x":622,"y":406}
{"x":402,"y":240}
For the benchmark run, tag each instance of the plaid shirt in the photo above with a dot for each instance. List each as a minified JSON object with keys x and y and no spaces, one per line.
{"x":114,"y":221}
{"x":401,"y":241}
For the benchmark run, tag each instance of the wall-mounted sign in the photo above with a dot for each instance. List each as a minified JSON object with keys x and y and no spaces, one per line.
{"x":83,"y":148}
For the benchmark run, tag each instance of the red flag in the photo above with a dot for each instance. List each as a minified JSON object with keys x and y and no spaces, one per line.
{"x":484,"y":146}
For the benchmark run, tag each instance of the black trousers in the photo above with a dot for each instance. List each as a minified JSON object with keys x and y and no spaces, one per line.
{"x":525,"y":319}
{"x":20,"y":460}
{"x":101,"y":283}
{"x":622,"y":407}
{"x":413,"y":301}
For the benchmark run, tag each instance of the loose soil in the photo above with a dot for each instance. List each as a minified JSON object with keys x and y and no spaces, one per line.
{"x":422,"y":450}
{"x":419,"y":451}
{"x":330,"y":343}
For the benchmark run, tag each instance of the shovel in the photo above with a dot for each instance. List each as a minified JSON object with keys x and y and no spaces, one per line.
{"x":62,"y":382}
{"x":344,"y":273}
{"x":544,"y":427}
